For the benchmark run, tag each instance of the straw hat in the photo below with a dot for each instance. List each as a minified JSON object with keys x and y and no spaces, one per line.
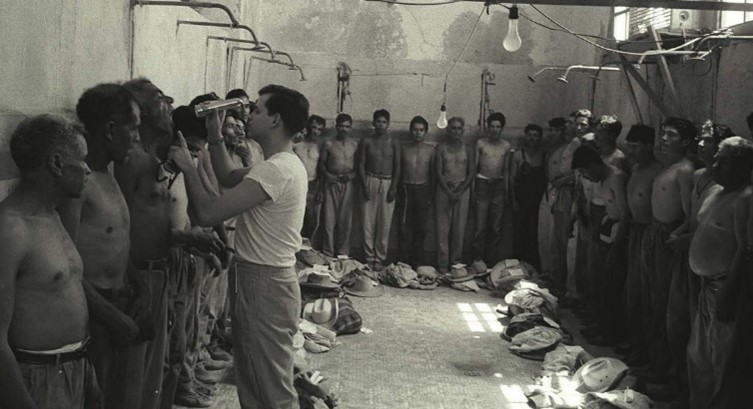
{"x":364,"y":287}
{"x":322,"y":311}
{"x":319,"y":280}
{"x":599,"y":375}
{"x":458,"y":273}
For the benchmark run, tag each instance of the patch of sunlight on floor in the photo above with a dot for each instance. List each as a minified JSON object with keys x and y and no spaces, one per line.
{"x":465,"y":307}
{"x":483,"y":307}
{"x":513,"y":394}
{"x":476,"y":326}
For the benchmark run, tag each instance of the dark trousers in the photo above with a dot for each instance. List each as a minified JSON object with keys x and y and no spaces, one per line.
{"x":637,"y":288}
{"x":490,"y":207}
{"x":414,"y":219}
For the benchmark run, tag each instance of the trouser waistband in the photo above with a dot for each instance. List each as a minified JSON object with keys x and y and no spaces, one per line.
{"x":383,"y":177}
{"x":151,"y":265}
{"x":51,"y":359}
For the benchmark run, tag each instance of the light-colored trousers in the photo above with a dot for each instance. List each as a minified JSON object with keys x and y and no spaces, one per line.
{"x":265,"y":303}
{"x":451,"y":222}
{"x":547,"y":245}
{"x":377,"y":219}
{"x":338,"y":217}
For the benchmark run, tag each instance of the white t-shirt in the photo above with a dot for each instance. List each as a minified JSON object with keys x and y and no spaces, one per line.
{"x":270,"y":233}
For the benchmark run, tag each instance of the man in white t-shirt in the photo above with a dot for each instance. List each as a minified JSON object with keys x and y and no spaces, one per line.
{"x":270,"y":201}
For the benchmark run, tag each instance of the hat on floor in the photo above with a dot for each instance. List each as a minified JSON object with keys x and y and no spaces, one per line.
{"x":427,"y":271}
{"x":458,"y":273}
{"x":364,"y":287}
{"x":535,"y":342}
{"x":599,"y":375}
{"x":318,"y":280}
{"x":622,"y":399}
{"x":323,"y":311}
{"x":480,"y":268}
{"x":507,"y":273}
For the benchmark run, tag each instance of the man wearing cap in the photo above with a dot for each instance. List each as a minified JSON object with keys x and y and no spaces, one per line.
{"x":43,"y":312}
{"x":640,"y":143}
{"x":716,"y":255}
{"x":455,"y":168}
{"x":270,"y":199}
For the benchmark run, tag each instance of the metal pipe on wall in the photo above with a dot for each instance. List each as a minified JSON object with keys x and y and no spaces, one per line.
{"x":291,"y":66}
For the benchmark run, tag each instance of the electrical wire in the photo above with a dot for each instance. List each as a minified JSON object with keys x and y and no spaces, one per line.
{"x":406,"y":3}
{"x":465,"y":47}
{"x":597,"y":45}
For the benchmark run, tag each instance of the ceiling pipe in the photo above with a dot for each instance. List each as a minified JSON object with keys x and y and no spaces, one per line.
{"x":532,"y":78}
{"x":563,"y":77}
{"x":272,"y":61}
{"x":224,"y":25}
{"x":240,"y":40}
{"x":197,"y":5}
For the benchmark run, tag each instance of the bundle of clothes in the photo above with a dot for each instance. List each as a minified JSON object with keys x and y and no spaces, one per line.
{"x":570,"y":377}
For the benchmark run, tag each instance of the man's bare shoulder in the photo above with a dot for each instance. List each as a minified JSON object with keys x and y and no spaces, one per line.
{"x":482,"y":142}
{"x":13,"y":226}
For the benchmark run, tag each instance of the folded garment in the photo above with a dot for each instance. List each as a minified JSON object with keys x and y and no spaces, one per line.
{"x":564,"y":358}
{"x":535,"y":343}
{"x":312,"y":257}
{"x":469,"y":285}
{"x":398,"y":275}
{"x":339,"y":268}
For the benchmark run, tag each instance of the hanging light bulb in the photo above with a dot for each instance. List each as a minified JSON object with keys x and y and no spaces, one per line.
{"x":442,"y":121}
{"x":512,"y":40}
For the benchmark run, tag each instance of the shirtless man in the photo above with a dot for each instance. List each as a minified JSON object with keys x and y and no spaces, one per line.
{"x":455,"y":169}
{"x":609,"y":248}
{"x":607,"y":131}
{"x":555,"y":143}
{"x":145,"y":179}
{"x":670,"y":206}
{"x":490,"y":187}
{"x":640,"y":143}
{"x":99,"y":224}
{"x":235,"y":138}
{"x":416,"y":193}
{"x":246,"y":108}
{"x":379,"y":172}
{"x":43,"y":316}
{"x":308,"y":151}
{"x":716,"y":254}
{"x":338,"y":169}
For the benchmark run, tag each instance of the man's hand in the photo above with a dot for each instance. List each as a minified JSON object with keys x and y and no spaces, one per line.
{"x":206,"y":242}
{"x":125,"y":330}
{"x":243,"y":152}
{"x":391,"y":194}
{"x":180,"y":155}
{"x":213,"y":122}
{"x":216,"y":265}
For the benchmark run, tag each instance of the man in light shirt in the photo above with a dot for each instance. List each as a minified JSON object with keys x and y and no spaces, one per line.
{"x":270,"y":202}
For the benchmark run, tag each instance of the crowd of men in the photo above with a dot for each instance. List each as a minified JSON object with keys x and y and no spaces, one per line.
{"x":133,"y":242}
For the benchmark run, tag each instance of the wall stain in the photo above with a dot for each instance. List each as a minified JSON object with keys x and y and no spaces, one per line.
{"x":486,"y":44}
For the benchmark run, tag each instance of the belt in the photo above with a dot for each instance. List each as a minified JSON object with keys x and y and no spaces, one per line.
{"x":383,"y":177}
{"x":114,"y":293}
{"x":50,"y":359}
{"x":150,"y":265}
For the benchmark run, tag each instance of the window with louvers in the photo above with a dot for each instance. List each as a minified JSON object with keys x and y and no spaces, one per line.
{"x":642,"y":18}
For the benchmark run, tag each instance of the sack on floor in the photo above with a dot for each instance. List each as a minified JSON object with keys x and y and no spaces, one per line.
{"x":348,"y":320}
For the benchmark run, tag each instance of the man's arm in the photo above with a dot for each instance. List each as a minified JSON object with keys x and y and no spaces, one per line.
{"x":361,"y":165}
{"x":397,"y":159}
{"x":685,"y":185}
{"x":470,"y":170}
{"x":439,"y":171}
{"x":729,"y":293}
{"x":224,"y":168}
{"x":210,"y":211}
{"x":619,"y":189}
{"x":322,"y":163}
{"x":13,"y":392}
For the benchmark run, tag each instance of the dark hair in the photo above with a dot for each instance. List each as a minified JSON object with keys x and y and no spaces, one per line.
{"x":558,"y":122}
{"x":137,"y":87}
{"x":612,"y":128}
{"x":456,"y":119}
{"x":720,"y":132}
{"x":36,"y":138}
{"x":290,"y":104}
{"x":533,"y":127}
{"x":687,"y":129}
{"x":203,"y":98}
{"x":418,"y":120}
{"x":185,"y":120}
{"x":232,"y":113}
{"x":343,"y":118}
{"x":316,"y":119}
{"x":236,"y":93}
{"x":741,"y":148}
{"x":103,"y":103}
{"x":642,"y":134}
{"x":497,"y":116}
{"x":383,"y":113}
{"x":585,"y":156}
{"x":583,"y":113}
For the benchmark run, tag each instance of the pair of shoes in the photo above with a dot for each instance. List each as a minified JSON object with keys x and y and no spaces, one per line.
{"x":207,"y":376}
{"x":204,"y":388}
{"x":192,"y":399}
{"x":219,"y":354}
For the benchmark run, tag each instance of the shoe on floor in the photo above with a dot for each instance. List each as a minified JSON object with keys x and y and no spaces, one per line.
{"x":219,"y":354}
{"x":207,"y":376}
{"x":192,"y":399}
{"x":204,"y":388}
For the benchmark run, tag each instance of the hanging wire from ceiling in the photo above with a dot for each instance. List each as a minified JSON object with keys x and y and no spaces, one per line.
{"x":465,"y":47}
